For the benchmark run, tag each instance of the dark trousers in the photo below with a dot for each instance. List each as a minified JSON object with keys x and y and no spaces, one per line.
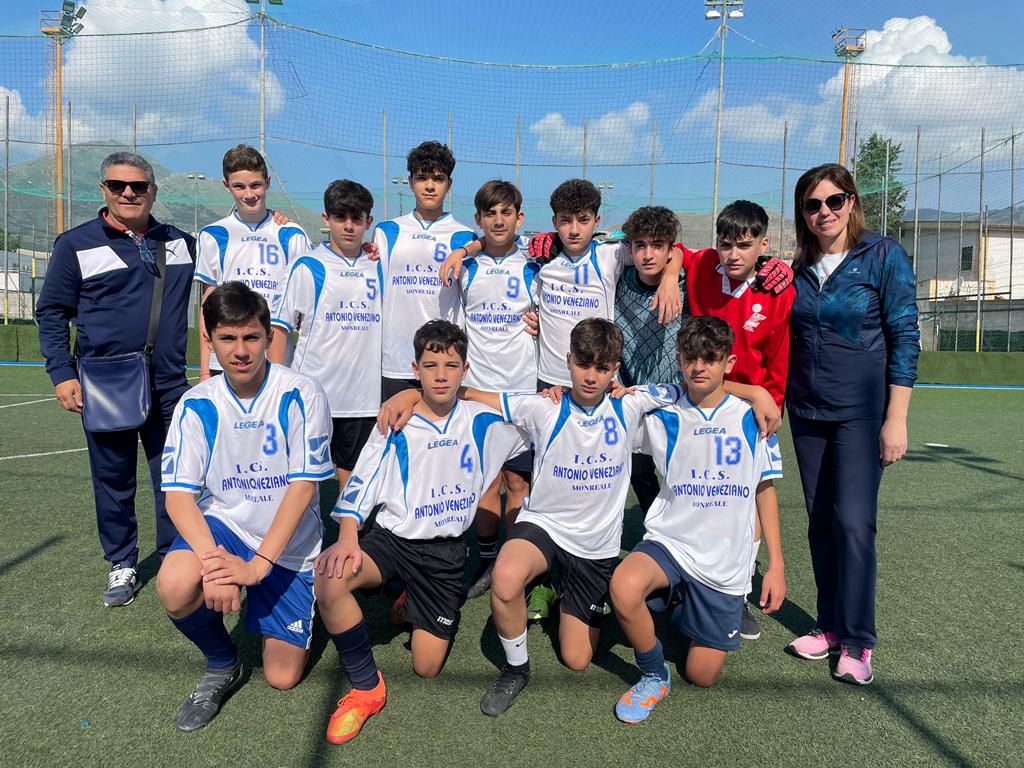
{"x":644,"y":480}
{"x":113,"y":457}
{"x":840,"y":471}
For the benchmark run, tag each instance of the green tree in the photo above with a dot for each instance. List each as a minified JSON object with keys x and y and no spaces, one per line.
{"x":882,"y":212}
{"x":12,"y":245}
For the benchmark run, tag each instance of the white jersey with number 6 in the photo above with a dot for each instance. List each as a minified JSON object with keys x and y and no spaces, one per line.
{"x":336,"y":304}
{"x":712,"y":462}
{"x":255,"y":254}
{"x":411,"y":251}
{"x":429,"y":477}
{"x":581,"y":464}
{"x":240,"y":456}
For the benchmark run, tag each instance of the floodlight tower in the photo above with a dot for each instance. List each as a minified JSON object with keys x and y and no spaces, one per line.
{"x":263,"y":68}
{"x":720,"y":11}
{"x":59,"y":26}
{"x":849,"y":45}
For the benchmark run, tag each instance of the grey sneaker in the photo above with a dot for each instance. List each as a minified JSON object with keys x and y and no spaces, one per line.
{"x":499,"y":695}
{"x":482,"y":580}
{"x":204,"y":702}
{"x":749,"y":628}
{"x":122,"y":584}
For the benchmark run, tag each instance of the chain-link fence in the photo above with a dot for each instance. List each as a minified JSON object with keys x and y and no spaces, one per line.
{"x":934,"y":148}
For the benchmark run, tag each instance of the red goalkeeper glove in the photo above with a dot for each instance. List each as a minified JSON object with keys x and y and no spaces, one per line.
{"x":544,"y":246}
{"x":773,"y":275}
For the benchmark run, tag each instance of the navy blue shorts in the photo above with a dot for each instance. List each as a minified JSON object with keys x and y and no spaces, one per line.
{"x":280,"y":606}
{"x":522,"y":464}
{"x":710,"y":617}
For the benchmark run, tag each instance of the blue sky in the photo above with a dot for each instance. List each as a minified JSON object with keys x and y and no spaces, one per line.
{"x":326,"y":93}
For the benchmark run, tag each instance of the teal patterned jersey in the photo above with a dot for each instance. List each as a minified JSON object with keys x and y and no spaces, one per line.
{"x":649,"y":354}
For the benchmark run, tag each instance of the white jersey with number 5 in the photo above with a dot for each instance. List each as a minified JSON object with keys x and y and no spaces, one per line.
{"x":496,"y":291}
{"x":571,"y":290}
{"x":411,"y":251}
{"x":712,"y":462}
{"x":581,"y":464}
{"x":240,"y":456}
{"x":255,"y":254}
{"x":336,"y":304}
{"x":429,"y":477}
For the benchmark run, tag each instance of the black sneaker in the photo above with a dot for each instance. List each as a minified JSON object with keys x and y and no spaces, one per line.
{"x":749,"y":628}
{"x":499,"y":696}
{"x":482,"y":580}
{"x":204,"y":702}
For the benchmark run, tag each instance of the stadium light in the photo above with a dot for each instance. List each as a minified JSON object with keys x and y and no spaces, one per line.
{"x":400,"y":181}
{"x":722,"y":11}
{"x":850,"y":44}
{"x":195,"y":177}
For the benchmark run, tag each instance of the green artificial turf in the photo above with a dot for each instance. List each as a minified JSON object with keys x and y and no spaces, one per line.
{"x":89,"y":686}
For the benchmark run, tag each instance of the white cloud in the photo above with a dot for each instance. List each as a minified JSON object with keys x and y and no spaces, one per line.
{"x":614,"y":137}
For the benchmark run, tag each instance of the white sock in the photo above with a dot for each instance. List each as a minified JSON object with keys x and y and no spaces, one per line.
{"x":753,"y":564}
{"x":515,"y":650}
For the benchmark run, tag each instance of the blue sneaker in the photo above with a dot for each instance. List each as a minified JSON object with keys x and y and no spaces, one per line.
{"x":636,"y":703}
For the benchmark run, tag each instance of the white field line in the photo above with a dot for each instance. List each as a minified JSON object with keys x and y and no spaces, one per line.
{"x":37,"y":455}
{"x":29,"y":402}
{"x":24,"y":394}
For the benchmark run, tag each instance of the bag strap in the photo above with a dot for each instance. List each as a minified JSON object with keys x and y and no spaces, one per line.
{"x":158,"y":297}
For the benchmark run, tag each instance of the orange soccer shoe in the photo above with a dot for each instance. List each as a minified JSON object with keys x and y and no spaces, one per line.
{"x":354,"y":709}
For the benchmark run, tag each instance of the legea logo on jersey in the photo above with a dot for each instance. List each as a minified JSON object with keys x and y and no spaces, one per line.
{"x":254,"y":239}
{"x":448,"y":442}
{"x":424,"y":236}
{"x":497,"y":271}
{"x":351,"y":273}
{"x":251,"y":424}
{"x":755,"y":318}
{"x":352,"y":488}
{"x":319,"y":449}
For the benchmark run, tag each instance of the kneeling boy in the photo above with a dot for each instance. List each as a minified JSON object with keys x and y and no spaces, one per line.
{"x":428,"y":479}
{"x":717,"y":474}
{"x":253,"y":444}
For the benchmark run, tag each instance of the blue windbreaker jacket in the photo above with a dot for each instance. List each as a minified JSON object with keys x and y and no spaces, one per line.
{"x":854,"y":336}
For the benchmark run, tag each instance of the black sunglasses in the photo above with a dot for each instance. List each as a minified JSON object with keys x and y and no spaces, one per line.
{"x":117,"y":186}
{"x":834,"y":202}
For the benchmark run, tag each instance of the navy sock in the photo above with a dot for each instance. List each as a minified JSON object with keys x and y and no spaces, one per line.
{"x":488,"y":546}
{"x":652,"y":662}
{"x":354,"y":649}
{"x":205,"y":628}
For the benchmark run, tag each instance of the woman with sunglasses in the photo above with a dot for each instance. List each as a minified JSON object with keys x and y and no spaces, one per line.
{"x":853,"y":362}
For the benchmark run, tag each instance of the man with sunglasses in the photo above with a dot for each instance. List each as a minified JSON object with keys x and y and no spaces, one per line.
{"x":101,"y":277}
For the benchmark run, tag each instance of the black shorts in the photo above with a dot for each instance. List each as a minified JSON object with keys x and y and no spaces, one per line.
{"x":522,"y":465}
{"x":430,"y":569}
{"x":542,"y":385}
{"x":391,"y":387}
{"x":348,"y":438}
{"x":582,"y":584}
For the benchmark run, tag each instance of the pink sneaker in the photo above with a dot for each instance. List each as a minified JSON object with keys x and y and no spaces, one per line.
{"x":854,"y":669}
{"x":816,"y":644}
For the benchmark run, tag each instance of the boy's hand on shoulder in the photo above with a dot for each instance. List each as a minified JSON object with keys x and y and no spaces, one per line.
{"x":773,"y":275}
{"x":767,"y":412}
{"x":531,"y":322}
{"x":224,"y":598}
{"x":668,"y":301}
{"x":451,"y":267}
{"x":618,"y":391}
{"x":396,"y":411}
{"x":554,"y":394}
{"x":773,"y":589}
{"x":343,"y":554}
{"x":279,"y":218}
{"x":371,"y":251}
{"x":544,"y":246}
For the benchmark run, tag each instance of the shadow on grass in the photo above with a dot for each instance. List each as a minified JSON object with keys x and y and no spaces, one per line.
{"x":28,"y":554}
{"x":959,"y":456}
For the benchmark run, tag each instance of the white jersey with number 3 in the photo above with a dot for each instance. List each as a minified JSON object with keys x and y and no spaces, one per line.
{"x":255,"y":254}
{"x":572,"y":290}
{"x":411,"y":252}
{"x":581,"y":464}
{"x":429,"y":477}
{"x":241,"y":456}
{"x":336,"y":303}
{"x":496,"y":291}
{"x":712,"y":461}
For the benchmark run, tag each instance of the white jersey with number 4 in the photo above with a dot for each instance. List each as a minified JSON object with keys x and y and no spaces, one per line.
{"x":336,"y":304}
{"x":411,"y":251}
{"x":572,"y":290}
{"x":255,"y":254}
{"x":429,"y":477}
{"x":240,"y":456}
{"x":712,"y":461}
{"x":581,"y":464}
{"x":496,"y":291}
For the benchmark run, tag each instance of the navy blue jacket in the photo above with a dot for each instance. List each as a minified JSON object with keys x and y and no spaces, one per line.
{"x":855,"y":336}
{"x":97,"y":280}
